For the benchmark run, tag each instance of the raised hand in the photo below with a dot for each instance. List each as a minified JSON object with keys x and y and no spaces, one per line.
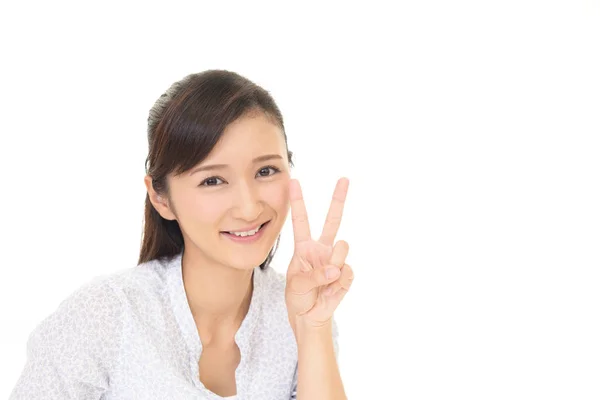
{"x":318,"y":276}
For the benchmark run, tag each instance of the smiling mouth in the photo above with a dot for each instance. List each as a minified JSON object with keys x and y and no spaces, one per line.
{"x":248,"y":234}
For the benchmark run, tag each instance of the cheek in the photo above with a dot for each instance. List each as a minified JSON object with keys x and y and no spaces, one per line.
{"x":200,"y":209}
{"x":277,"y":196}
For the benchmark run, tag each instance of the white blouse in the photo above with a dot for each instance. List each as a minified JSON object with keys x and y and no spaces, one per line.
{"x":131,"y":335}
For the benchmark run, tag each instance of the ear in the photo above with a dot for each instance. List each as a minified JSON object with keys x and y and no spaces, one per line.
{"x":160,"y":202}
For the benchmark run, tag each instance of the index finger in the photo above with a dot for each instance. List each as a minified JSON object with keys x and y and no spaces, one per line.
{"x":334,"y":216}
{"x":299,"y":215}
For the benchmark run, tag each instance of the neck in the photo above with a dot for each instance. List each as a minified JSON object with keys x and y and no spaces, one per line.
{"x":219,"y":296}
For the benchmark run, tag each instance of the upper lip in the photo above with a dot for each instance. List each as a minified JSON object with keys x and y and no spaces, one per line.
{"x":250,"y":228}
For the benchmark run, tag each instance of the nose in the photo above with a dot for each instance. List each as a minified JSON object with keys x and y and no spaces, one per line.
{"x":248,"y":205}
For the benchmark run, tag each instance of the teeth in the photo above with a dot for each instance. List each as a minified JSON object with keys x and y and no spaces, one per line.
{"x":247,"y":233}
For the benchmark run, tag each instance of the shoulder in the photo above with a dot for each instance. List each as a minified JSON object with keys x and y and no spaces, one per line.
{"x":75,"y":349}
{"x":91,"y":318}
{"x":95,"y":300}
{"x":82,"y":333}
{"x":138,"y":286}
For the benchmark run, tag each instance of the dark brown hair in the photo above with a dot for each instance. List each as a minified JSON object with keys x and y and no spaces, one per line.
{"x":184,"y":125}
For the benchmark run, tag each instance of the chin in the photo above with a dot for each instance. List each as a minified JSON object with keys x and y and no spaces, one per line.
{"x":247,"y":260}
{"x":249,"y":256}
{"x":245,"y":265}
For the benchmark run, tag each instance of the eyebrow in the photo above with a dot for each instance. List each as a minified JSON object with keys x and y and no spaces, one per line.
{"x":222,"y":166}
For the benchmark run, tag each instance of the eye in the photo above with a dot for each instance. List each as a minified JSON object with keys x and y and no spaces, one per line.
{"x":265,"y":171}
{"x":212,"y":181}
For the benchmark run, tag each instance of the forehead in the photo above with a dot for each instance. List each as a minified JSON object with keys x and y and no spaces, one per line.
{"x":249,"y":137}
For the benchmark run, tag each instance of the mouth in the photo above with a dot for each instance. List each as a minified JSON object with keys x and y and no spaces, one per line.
{"x":249,"y":236}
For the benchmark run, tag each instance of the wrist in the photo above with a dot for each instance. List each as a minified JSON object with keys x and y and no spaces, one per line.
{"x":305,"y":330}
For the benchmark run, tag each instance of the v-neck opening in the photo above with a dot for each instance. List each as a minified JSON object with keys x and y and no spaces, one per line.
{"x":187,"y":325}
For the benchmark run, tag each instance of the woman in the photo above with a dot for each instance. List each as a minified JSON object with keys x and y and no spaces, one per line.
{"x":203,"y":315}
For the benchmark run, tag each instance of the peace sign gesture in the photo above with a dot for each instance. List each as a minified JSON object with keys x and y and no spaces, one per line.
{"x":318,"y":276}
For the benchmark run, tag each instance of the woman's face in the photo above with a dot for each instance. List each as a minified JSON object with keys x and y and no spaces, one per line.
{"x":242,"y":184}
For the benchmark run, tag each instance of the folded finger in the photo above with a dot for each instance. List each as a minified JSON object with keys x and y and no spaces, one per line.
{"x":302,"y":283}
{"x":342,"y":283}
{"x":339,"y":254}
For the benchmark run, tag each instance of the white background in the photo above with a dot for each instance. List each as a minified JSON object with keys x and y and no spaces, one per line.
{"x":469,"y":131}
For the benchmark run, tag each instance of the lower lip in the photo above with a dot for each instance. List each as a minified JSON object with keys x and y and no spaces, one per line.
{"x":246,"y":239}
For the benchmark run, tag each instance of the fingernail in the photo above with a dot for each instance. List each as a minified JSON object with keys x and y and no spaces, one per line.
{"x":331,"y":272}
